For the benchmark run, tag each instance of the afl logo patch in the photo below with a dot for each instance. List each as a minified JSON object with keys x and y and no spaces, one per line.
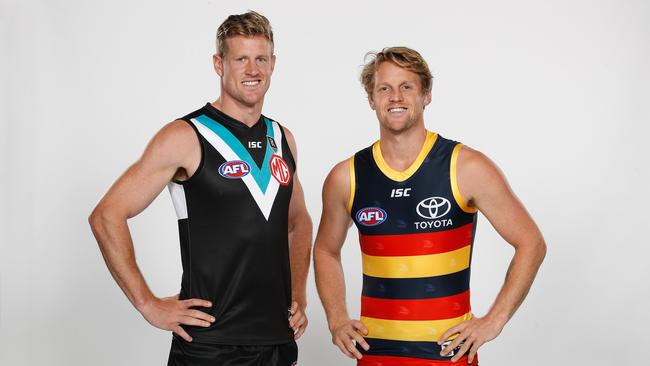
{"x":371,"y":216}
{"x":234,"y":169}
{"x":433,"y":207}
{"x":280,"y":170}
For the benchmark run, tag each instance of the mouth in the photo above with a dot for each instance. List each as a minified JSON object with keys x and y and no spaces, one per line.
{"x":396,"y":110}
{"x":251,"y":83}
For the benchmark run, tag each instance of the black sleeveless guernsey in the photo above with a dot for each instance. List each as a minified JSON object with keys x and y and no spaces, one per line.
{"x":232,"y":220}
{"x":416,"y":234}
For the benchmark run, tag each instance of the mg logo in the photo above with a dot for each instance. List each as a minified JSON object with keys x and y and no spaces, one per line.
{"x":280,"y":170}
{"x":433,"y":207}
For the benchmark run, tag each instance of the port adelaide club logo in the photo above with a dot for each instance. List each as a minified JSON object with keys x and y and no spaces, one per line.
{"x":234,"y":169}
{"x":433,"y":209}
{"x":371,"y":216}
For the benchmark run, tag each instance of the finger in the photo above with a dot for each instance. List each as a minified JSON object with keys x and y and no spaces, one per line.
{"x":299,"y":333}
{"x":360,"y":341}
{"x":197,"y":302}
{"x":200,"y":315}
{"x":353,"y":349}
{"x":462,"y":350}
{"x":345,"y":351}
{"x":297,"y":320}
{"x":294,"y":307}
{"x":177,"y":296}
{"x":182,"y":333}
{"x":452,"y":346}
{"x":188,"y":320}
{"x":359,"y":326}
{"x":472,"y":352}
{"x":450,"y":332}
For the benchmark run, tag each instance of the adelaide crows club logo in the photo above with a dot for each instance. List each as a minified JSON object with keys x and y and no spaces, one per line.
{"x":234,"y":169}
{"x":371,"y":216}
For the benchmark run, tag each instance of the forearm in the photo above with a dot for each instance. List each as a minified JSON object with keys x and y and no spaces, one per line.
{"x":115,"y":243}
{"x":519,"y":279}
{"x":300,"y":238}
{"x":330,"y":283}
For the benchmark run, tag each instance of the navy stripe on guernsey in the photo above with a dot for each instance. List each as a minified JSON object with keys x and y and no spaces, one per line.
{"x":428,"y":350}
{"x":416,"y":288}
{"x":233,"y":224}
{"x":416,"y":234}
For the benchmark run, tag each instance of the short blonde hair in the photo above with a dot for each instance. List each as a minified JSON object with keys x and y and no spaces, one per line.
{"x":248,"y":24}
{"x":403,"y":57}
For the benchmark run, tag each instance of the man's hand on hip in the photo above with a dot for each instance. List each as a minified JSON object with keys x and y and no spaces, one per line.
{"x":169,"y":313}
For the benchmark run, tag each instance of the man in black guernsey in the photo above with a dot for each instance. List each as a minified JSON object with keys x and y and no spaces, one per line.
{"x":245,"y":233}
{"x":414,"y":196}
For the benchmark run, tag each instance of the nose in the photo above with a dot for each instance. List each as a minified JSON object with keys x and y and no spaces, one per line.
{"x":396,"y":95}
{"x":252,"y":69}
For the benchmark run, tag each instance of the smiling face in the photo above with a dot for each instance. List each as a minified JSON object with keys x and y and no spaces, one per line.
{"x":398,"y":98}
{"x":245,"y":70}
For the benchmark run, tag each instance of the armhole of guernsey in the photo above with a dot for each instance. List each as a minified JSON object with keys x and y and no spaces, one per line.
{"x":454,"y":182}
{"x":352,"y":185}
{"x":201,"y":158}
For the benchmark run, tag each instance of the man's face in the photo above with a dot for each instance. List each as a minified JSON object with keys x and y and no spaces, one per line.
{"x":397,"y":97}
{"x":245,"y":69}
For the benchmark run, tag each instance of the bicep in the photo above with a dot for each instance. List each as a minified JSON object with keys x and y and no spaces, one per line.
{"x":335,"y":218}
{"x":486,"y":186}
{"x":147,"y":177}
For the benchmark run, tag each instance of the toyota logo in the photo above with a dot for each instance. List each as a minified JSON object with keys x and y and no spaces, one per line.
{"x":433,"y":207}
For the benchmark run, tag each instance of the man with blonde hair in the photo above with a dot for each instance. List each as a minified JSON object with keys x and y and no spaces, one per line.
{"x":414,"y":196}
{"x":245,"y":233}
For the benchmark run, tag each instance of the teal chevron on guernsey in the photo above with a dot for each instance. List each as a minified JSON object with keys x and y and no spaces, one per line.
{"x":262,"y":175}
{"x":259,"y":182}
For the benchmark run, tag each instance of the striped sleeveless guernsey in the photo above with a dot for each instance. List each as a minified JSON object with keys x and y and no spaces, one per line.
{"x":233,"y":224}
{"x":416,"y":234}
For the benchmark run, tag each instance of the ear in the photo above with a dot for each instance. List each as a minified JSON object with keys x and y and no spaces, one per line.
{"x":217,"y":62}
{"x":427,"y":99}
{"x":272,"y":63}
{"x":371,"y":103}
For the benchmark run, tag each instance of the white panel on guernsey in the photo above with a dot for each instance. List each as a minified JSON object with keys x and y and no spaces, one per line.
{"x":178,"y":197}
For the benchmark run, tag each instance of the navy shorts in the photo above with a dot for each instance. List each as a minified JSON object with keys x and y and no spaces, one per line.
{"x":203,"y":354}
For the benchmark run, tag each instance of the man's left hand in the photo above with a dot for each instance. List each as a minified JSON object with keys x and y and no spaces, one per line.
{"x":472,"y":334}
{"x":297,"y":320}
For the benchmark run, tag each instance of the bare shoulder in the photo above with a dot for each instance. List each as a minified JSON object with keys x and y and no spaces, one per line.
{"x":337,"y":183}
{"x":175,"y":143}
{"x":478,"y":175}
{"x":291,"y":141}
{"x":473,"y":163}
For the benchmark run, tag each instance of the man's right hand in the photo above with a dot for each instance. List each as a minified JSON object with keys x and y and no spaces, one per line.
{"x":346,"y":334}
{"x":169,"y":313}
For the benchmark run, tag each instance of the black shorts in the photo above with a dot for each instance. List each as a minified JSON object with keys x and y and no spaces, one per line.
{"x":202,"y":354}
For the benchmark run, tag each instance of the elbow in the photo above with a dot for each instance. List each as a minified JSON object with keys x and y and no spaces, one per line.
{"x":541,"y":250}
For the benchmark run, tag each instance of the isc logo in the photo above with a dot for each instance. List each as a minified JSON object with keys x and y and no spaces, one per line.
{"x":234,"y":169}
{"x":371,"y":216}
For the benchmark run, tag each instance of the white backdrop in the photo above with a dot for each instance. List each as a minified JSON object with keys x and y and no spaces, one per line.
{"x":556,"y":92}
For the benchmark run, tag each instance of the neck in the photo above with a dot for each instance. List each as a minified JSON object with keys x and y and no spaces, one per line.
{"x":247,"y":114}
{"x":400,"y":149}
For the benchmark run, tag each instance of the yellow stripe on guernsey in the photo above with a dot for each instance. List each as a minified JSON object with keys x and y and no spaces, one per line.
{"x":416,"y":265}
{"x":352,"y":185}
{"x":396,"y":175}
{"x":454,"y":182}
{"x":410,"y":330}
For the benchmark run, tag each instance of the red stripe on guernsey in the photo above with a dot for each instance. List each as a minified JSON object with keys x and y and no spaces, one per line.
{"x":420,"y":309}
{"x":416,"y":244}
{"x":369,"y":360}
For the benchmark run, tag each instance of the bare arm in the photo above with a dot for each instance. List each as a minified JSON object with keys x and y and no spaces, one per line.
{"x":485,"y":187}
{"x":334,"y":224}
{"x":300,"y":238}
{"x":173,"y":151}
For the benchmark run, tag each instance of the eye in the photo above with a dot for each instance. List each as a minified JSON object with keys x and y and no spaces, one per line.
{"x":261,"y":60}
{"x":407,"y":87}
{"x":383,"y":88}
{"x":241,"y":59}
